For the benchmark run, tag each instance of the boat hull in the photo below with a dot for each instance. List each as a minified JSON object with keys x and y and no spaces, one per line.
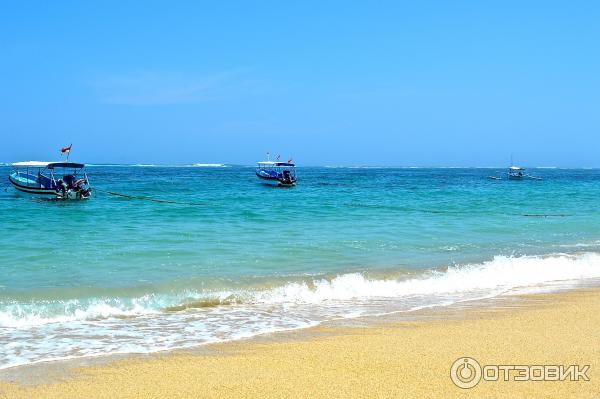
{"x":274,"y":181}
{"x":47,"y":192}
{"x":31,"y":189}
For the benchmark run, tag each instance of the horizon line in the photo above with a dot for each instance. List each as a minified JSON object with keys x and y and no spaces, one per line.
{"x":216,"y":165}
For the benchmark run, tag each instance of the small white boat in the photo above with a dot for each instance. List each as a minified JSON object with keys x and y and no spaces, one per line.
{"x":516,"y":173}
{"x":60,"y":180}
{"x":280,"y":174}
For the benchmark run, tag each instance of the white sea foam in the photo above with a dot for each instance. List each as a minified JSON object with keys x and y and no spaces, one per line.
{"x":502,"y":273}
{"x":209,"y":165}
{"x":23,"y":315}
{"x":165,"y":321}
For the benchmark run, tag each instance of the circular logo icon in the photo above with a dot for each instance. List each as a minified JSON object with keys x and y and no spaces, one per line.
{"x":465,"y":372}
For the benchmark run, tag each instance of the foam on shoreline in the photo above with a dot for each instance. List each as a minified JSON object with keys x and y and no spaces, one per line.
{"x":162,"y":321}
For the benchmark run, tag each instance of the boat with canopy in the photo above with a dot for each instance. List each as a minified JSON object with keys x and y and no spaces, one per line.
{"x":280,"y":174}
{"x":61,"y":180}
{"x":516,"y":173}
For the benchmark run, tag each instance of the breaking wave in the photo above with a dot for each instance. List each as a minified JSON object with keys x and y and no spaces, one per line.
{"x":209,"y":165}
{"x":495,"y":276}
{"x":45,"y":330}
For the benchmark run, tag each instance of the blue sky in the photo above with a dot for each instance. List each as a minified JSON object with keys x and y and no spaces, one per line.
{"x":328,"y":83}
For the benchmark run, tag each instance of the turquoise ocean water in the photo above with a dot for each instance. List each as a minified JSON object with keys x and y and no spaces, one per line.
{"x":117,"y":275}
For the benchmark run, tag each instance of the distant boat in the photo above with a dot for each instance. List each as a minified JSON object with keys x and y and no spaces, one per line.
{"x":280,"y":174}
{"x":61,"y":180}
{"x":516,"y":173}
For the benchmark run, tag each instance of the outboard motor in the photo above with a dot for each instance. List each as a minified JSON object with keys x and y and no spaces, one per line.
{"x":286,"y":177}
{"x":81,"y":189}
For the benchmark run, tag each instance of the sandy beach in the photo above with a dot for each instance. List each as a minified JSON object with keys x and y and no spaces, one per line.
{"x":377,"y":359}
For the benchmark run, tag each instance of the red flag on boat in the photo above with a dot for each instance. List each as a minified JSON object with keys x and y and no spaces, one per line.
{"x":290,"y":160}
{"x":66,"y":150}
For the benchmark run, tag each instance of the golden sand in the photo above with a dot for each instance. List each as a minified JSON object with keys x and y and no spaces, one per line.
{"x":391,"y":360}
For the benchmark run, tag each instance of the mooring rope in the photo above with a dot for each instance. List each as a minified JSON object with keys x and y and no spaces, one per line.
{"x":149,"y":198}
